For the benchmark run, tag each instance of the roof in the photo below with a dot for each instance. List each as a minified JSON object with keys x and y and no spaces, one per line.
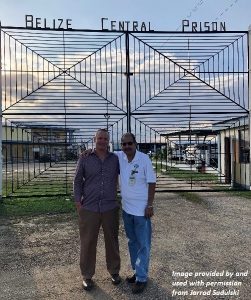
{"x":199,"y":132}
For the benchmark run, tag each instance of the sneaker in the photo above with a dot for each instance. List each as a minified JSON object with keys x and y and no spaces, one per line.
{"x":131,"y":279}
{"x":116,"y":279}
{"x":138,"y":287}
{"x":88,"y":284}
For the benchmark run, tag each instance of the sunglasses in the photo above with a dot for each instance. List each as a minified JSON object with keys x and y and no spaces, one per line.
{"x":128,"y":143}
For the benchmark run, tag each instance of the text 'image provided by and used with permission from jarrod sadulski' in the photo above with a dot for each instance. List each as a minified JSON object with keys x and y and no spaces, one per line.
{"x":208,"y":283}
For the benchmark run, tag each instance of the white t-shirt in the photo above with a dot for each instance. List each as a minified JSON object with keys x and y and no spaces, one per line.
{"x":134,"y":179}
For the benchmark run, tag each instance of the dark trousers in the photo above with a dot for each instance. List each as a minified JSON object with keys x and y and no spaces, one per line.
{"x":89,"y":225}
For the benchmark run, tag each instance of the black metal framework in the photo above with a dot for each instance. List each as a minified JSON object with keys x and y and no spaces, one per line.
{"x":184,"y":95}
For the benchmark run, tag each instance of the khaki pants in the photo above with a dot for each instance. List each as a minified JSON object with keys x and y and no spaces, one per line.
{"x":89,"y":225}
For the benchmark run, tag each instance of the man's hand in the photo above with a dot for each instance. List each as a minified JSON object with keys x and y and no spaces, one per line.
{"x":78,"y":207}
{"x":149,"y":212}
{"x":86,"y":153}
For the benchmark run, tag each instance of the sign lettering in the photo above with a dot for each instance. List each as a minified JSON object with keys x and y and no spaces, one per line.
{"x":32,"y":22}
{"x":203,"y":26}
{"x":107,"y":25}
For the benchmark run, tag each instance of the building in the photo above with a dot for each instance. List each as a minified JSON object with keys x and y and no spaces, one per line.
{"x":38,"y":142}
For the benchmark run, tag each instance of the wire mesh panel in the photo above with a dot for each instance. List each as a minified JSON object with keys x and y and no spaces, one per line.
{"x":59,"y":87}
{"x":191,"y":89}
{"x":184,"y":96}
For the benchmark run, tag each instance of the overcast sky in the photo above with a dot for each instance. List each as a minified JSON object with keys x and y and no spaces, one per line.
{"x":163,"y":14}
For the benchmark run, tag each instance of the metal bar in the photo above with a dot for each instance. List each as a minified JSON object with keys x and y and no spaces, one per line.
{"x":1,"y":119}
{"x":65,"y":120}
{"x":127,"y":74}
{"x":249,"y":99}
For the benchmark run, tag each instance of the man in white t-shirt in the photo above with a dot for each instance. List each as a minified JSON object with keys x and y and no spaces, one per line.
{"x":137,"y":181}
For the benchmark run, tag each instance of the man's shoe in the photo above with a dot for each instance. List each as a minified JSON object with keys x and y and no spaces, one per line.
{"x":131,"y":279}
{"x":116,"y":279}
{"x":138,"y":287}
{"x":88,"y":284}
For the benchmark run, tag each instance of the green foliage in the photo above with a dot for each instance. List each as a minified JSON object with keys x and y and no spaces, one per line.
{"x":192,"y":197}
{"x":244,"y":194}
{"x":13,"y":207}
{"x":185,"y":174}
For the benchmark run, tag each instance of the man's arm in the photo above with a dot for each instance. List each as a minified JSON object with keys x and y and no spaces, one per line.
{"x":151,"y":193}
{"x":151,"y":179}
{"x":78,"y":206}
{"x":78,"y":183}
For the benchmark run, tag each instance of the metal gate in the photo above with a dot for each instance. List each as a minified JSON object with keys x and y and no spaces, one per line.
{"x":184,"y":96}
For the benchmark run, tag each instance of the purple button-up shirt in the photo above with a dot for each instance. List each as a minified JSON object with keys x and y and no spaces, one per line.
{"x":95,"y":182}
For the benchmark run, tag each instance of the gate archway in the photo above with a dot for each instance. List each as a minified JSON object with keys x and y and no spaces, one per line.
{"x":184,"y":95}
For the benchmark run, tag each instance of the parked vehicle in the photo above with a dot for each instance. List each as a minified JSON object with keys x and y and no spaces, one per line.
{"x":191,"y":154}
{"x":177,"y":154}
{"x":202,"y":154}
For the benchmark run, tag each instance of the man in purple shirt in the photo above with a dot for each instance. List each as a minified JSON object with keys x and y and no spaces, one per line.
{"x":95,"y":188}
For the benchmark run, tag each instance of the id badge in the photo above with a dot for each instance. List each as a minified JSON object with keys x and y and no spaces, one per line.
{"x":132,"y":180}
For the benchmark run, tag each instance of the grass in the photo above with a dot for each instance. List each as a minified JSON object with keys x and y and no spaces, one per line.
{"x":186,"y":174}
{"x":192,"y":197}
{"x":25,"y":204}
{"x":34,"y":206}
{"x":14,"y":207}
{"x":35,"y":187}
{"x":243,"y":194}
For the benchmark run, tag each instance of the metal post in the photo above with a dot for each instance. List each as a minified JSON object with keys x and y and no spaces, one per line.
{"x":1,"y":125}
{"x":249,"y":99}
{"x":65,"y":123}
{"x":219,"y":167}
{"x":128,"y":104}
